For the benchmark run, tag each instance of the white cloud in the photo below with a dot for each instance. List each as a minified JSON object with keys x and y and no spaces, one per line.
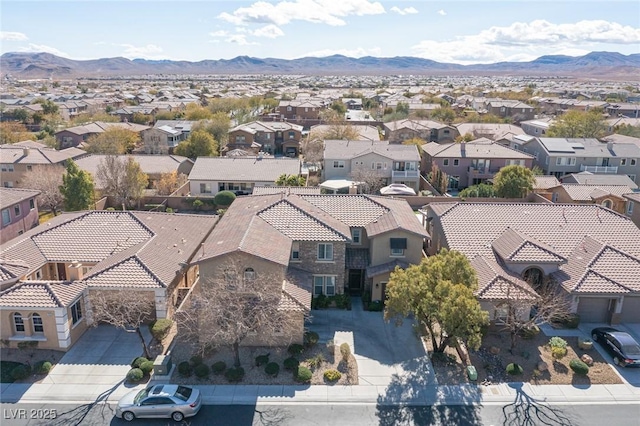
{"x":13,"y":36}
{"x":441,"y":12}
{"x":150,"y":51}
{"x":240,"y":40}
{"x":405,"y":11}
{"x":357,"y":52}
{"x":526,"y":41}
{"x":268,"y":31}
{"x":43,"y":48}
{"x":328,"y":12}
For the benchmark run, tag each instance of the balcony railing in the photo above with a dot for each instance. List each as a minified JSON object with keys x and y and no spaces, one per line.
{"x":482,"y":171}
{"x":406,"y":174}
{"x":599,"y":169}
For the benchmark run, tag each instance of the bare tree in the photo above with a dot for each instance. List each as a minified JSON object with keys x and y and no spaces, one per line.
{"x":122,"y":178}
{"x":370,"y":179}
{"x":47,"y":180}
{"x":122,"y":309}
{"x":313,"y":150}
{"x":170,"y":182}
{"x":232,"y":306}
{"x":525,"y":308}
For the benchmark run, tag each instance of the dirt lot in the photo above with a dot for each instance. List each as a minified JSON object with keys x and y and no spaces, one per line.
{"x":256,"y":376}
{"x":528,"y":353}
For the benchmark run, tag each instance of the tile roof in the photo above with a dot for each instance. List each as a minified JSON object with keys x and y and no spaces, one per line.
{"x":546,"y":182}
{"x":474,"y":149}
{"x":416,"y":125}
{"x":514,"y":246}
{"x":11,"y":154}
{"x":128,"y":273}
{"x":150,"y":164}
{"x":347,"y":150}
{"x":580,"y":192}
{"x":383,"y":268}
{"x":494,"y":283}
{"x":266,"y":126}
{"x":11,"y":196}
{"x":243,"y":169}
{"x":588,"y":178}
{"x":300,"y":190}
{"x":296,"y":291}
{"x":633,"y":197}
{"x":399,"y":216}
{"x":354,"y":210}
{"x":41,"y":294}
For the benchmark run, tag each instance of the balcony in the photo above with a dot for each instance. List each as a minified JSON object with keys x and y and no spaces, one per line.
{"x":406,"y":174}
{"x":482,"y":171}
{"x":599,"y":169}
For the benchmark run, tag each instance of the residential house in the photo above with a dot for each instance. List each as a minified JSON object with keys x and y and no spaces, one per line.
{"x":165,"y":135}
{"x":300,"y":109}
{"x":496,"y":132}
{"x":19,"y":212}
{"x":75,"y":136}
{"x":609,"y":196}
{"x":277,"y":137}
{"x":213,"y":174}
{"x":154,"y":166}
{"x":393,"y":163}
{"x":127,"y":113}
{"x":518,"y":111}
{"x":623,"y":110}
{"x":536,"y":127}
{"x":352,"y":103}
{"x":50,"y":273}
{"x":314,"y":244}
{"x":633,"y":207}
{"x":430,"y":131}
{"x":592,"y":253}
{"x":588,"y":178}
{"x":17,"y":161}
{"x":471,"y":163}
{"x":561,"y":156}
{"x":365,"y":132}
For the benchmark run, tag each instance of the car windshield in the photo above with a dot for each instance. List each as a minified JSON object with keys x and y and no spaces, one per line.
{"x":183,"y":393}
{"x":631,"y":350}
{"x":141,"y":395}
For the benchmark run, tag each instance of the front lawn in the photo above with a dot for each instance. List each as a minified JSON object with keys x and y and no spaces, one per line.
{"x":6,"y":367}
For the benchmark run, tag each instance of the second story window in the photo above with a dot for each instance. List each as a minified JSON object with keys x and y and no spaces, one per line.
{"x":338,"y":164}
{"x":6,"y":217}
{"x":356,"y":236}
{"x":16,"y":210}
{"x":325,"y":251}
{"x":398,"y":246}
{"x":295,"y":251}
{"x":445,"y":162}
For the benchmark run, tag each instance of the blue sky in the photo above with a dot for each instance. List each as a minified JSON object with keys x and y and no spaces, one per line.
{"x":472,"y":31}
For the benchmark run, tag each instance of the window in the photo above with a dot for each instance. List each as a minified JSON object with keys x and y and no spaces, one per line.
{"x":29,"y":168}
{"x":20,"y":232}
{"x":36,"y":320}
{"x":16,"y":210}
{"x":38,"y":274}
{"x":288,"y":108}
{"x":566,"y":161}
{"x":338,"y":164}
{"x":295,"y":251}
{"x":7,"y":167}
{"x":240,"y":139}
{"x":6,"y":217}
{"x":623,"y":161}
{"x":446,"y":131}
{"x":376,"y":166}
{"x":76,"y":312}
{"x":205,"y":188}
{"x":607,"y":203}
{"x":18,"y":323}
{"x":324,"y":284}
{"x":292,"y":135}
{"x":249,"y":274}
{"x":355,"y":236}
{"x":445,"y":162}
{"x":398,"y":246}
{"x":32,"y":204}
{"x":8,"y":184}
{"x":456,"y":162}
{"x":633,"y":161}
{"x":325,"y":251}
{"x":629,"y":208}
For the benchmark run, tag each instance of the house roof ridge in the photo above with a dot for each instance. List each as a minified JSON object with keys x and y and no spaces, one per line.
{"x":589,"y":271}
{"x":316,"y":219}
{"x":53,"y":294}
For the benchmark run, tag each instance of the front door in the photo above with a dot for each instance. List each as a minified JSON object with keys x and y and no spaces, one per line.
{"x":356,"y":282}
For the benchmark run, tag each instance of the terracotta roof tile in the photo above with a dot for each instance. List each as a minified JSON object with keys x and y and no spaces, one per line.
{"x":514,"y":246}
{"x":494,"y":283}
{"x":129,"y":273}
{"x":45,"y":294}
{"x":579,"y":192}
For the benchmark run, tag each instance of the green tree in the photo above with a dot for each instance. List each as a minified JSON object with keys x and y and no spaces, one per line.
{"x":579,"y":124}
{"x":482,"y":190}
{"x":290,"y":180}
{"x":339,"y":107}
{"x":514,"y":182}
{"x":439,"y":292}
{"x":123,"y":179}
{"x":140,"y":118}
{"x":196,"y":112}
{"x":402,"y":108}
{"x":199,"y":144}
{"x":467,"y":137}
{"x":224,"y":198}
{"x":415,"y":141}
{"x":444,"y":114}
{"x":48,"y":106}
{"x":76,"y":188}
{"x":628,"y":130}
{"x":217,"y":126}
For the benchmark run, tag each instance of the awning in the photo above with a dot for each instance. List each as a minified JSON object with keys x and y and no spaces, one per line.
{"x":335,"y":184}
{"x":398,"y":243}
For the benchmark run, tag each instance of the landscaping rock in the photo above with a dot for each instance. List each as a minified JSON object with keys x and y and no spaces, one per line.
{"x":542,"y":366}
{"x":585,"y":344}
{"x":494,"y":350}
{"x":587,"y":359}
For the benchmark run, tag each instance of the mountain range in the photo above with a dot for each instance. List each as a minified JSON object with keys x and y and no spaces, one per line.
{"x":43,"y":65}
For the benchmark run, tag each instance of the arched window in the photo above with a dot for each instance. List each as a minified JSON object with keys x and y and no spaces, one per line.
{"x":18,"y":322}
{"x":607,"y":203}
{"x":38,"y":326}
{"x":534,"y":276}
{"x":249,"y":274}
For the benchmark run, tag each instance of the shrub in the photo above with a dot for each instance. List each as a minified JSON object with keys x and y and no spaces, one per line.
{"x":201,"y":370}
{"x":375,"y":306}
{"x":514,"y":369}
{"x":160,"y":328}
{"x":291,"y":363}
{"x":138,"y":361}
{"x":262,"y":360}
{"x":530,"y":332}
{"x":345,"y":351}
{"x":272,"y":369}
{"x":311,"y":339}
{"x":146,"y":367}
{"x":197,"y":204}
{"x":343,"y":301}
{"x":558,"y":352}
{"x":579,"y":367}
{"x":168,"y":210}
{"x":303,"y":374}
{"x":316,"y":361}
{"x":320,"y":302}
{"x":572,"y":321}
{"x":224,"y":198}
{"x":218,"y":367}
{"x":42,"y":367}
{"x":195,"y":360}
{"x":135,"y":375}
{"x":295,"y":349}
{"x":184,"y":368}
{"x":234,"y":374}
{"x":557,"y":342}
{"x":21,"y":372}
{"x":332,"y":375}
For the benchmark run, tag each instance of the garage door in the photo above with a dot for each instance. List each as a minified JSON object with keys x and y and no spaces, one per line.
{"x":630,"y":309}
{"x":593,"y":309}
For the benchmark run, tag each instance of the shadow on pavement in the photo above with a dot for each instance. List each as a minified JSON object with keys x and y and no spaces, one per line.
{"x":77,"y":415}
{"x":528,"y":411}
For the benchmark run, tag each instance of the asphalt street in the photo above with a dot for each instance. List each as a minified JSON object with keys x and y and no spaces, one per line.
{"x":521,"y":413}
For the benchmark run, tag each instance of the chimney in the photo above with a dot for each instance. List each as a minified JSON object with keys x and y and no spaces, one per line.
{"x":25,"y":152}
{"x":75,"y":271}
{"x":353,"y":189}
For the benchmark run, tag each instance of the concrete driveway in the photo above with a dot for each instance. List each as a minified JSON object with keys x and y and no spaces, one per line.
{"x":387,"y":355}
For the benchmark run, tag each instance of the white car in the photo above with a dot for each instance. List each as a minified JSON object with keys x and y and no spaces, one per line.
{"x":160,"y":401}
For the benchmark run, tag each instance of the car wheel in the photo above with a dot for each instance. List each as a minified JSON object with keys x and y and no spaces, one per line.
{"x":594,"y":336}
{"x":177,"y":416}
{"x":128,"y":416}
{"x":616,"y":361}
